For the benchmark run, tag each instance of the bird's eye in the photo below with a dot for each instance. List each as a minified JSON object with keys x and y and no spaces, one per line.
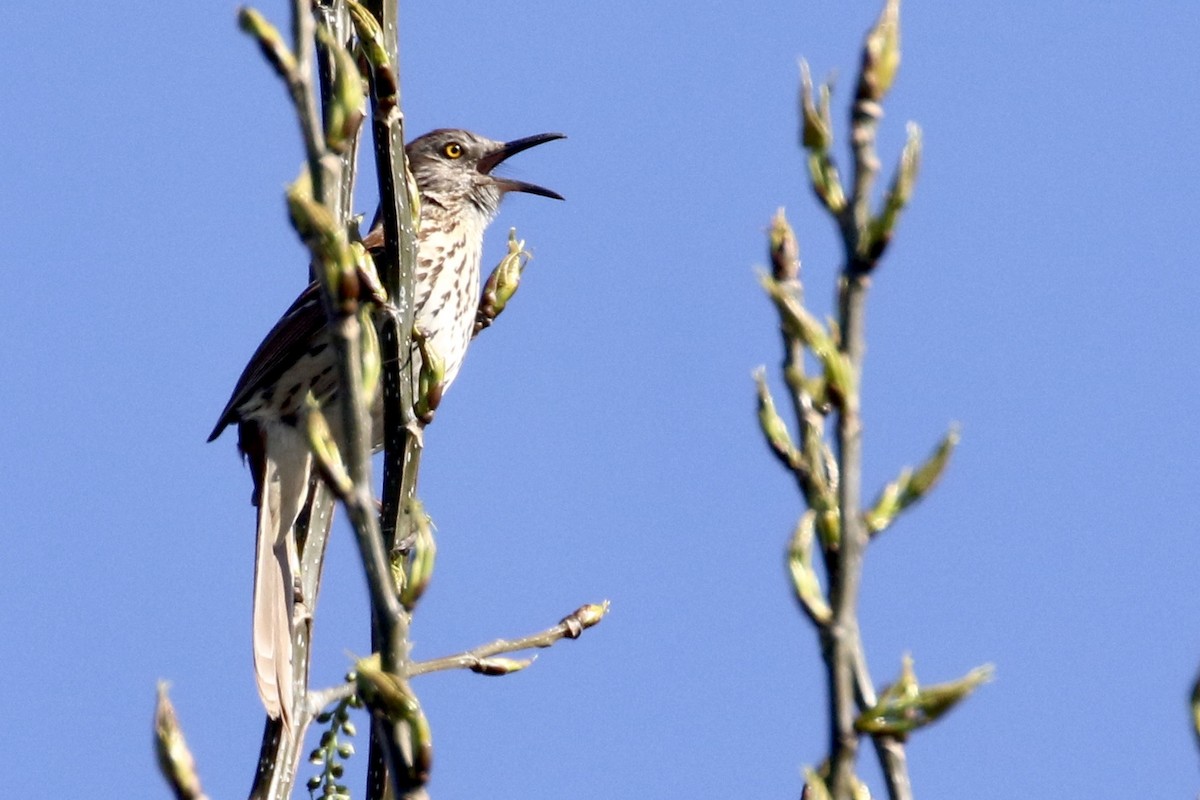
{"x":452,"y":150}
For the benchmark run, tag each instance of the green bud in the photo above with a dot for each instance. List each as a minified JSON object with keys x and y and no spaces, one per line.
{"x":795,"y":318}
{"x":784,"y":250}
{"x":419,"y":563}
{"x":324,"y":448}
{"x":840,"y":378}
{"x":414,"y":197}
{"x":269,"y":41}
{"x":432,"y":379}
{"x":370,"y":34}
{"x":371,"y":359}
{"x":887,"y":505}
{"x":313,"y":783}
{"x":817,"y":391}
{"x":345,"y":749}
{"x":826,"y":182}
{"x":773,"y":427}
{"x":814,"y":786}
{"x":388,"y":696}
{"x":325,"y":240}
{"x":368,"y":275}
{"x":382,"y":692}
{"x":349,"y":729}
{"x":882,"y":227}
{"x":508,"y":271}
{"x":175,"y":760}
{"x":928,"y":474}
{"x":502,"y":284}
{"x":912,"y":485}
{"x":422,"y":745}
{"x":881,"y":54}
{"x":905,"y":706}
{"x":804,"y":577}
{"x":816,"y":130}
{"x":344,"y":112}
{"x":829,"y":529}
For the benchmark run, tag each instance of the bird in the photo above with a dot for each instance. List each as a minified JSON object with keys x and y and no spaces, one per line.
{"x":459,"y":197}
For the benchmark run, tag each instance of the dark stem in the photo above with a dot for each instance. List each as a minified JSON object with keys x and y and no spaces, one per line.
{"x":402,"y":447}
{"x":842,"y":634}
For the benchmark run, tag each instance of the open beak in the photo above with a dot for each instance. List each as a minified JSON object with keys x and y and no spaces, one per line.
{"x":504,"y":151}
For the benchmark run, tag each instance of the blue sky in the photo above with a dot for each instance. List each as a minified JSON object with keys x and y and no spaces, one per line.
{"x":601,"y":440}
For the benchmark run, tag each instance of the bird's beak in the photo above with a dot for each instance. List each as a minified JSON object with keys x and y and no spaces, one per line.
{"x":504,"y":151}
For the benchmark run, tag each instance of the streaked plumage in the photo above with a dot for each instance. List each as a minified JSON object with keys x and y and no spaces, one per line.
{"x":459,"y":198}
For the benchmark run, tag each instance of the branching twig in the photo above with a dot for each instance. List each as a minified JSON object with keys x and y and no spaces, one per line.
{"x":480,"y":659}
{"x":832,"y":484}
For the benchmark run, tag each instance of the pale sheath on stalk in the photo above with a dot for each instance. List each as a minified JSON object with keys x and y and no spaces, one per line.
{"x":827,"y":465}
{"x":313,"y":385}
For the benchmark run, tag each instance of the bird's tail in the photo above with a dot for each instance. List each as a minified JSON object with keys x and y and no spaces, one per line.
{"x":282,"y":465}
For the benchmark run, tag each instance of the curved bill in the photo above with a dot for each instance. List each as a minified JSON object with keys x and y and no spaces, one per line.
{"x":508,"y":149}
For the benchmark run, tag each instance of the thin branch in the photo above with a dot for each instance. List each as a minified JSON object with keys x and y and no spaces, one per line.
{"x":570,"y":627}
{"x":846,"y":572}
{"x":305,"y":100}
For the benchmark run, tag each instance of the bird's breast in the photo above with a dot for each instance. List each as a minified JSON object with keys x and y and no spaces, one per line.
{"x":447,"y":285}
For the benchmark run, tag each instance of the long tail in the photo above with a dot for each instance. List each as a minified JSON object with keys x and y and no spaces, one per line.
{"x":282,"y":465}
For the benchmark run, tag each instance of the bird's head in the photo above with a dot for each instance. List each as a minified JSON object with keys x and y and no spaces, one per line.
{"x":452,"y":166}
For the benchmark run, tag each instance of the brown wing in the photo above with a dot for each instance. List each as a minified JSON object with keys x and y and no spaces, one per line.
{"x":290,"y":338}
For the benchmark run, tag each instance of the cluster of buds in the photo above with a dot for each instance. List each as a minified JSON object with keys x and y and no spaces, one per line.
{"x":906,"y":706}
{"x":331,"y":751}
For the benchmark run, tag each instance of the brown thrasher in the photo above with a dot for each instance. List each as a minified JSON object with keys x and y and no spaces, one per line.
{"x":459,"y":197}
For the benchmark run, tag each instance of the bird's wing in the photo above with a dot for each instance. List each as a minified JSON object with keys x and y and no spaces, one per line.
{"x":298,"y":326}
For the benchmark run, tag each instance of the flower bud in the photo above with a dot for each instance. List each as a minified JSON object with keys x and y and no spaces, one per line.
{"x":816,"y":130}
{"x":804,"y":577}
{"x":344,"y":111}
{"x":269,"y":41}
{"x":881,"y":54}
{"x":784,"y":251}
{"x":324,"y":448}
{"x":905,"y":706}
{"x":175,"y":760}
{"x":498,"y":665}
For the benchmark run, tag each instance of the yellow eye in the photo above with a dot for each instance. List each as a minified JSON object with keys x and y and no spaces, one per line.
{"x":452,"y":150}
